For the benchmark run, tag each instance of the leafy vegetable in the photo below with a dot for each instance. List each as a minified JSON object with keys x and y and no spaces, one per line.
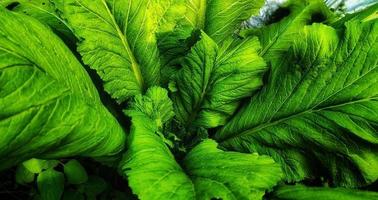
{"x":214,"y":79}
{"x":44,"y":11}
{"x":58,"y":111}
{"x":118,"y":41}
{"x":300,"y":192}
{"x":219,"y":19}
{"x":211,"y":109}
{"x":153,"y":172}
{"x":277,"y":37}
{"x":319,"y":107}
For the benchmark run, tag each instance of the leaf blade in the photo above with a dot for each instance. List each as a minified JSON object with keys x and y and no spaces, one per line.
{"x":323,"y":102}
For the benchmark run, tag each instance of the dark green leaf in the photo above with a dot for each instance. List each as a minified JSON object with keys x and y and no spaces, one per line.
{"x":75,"y":172}
{"x":50,"y":184}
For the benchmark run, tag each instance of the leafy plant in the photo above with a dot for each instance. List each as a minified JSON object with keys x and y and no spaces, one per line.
{"x":184,"y":104}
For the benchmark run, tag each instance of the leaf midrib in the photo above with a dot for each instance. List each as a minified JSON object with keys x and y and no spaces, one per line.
{"x":134,"y":64}
{"x":278,"y":121}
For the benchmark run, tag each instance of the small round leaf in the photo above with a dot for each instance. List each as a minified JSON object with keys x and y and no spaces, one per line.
{"x":75,"y":172}
{"x":50,"y":184}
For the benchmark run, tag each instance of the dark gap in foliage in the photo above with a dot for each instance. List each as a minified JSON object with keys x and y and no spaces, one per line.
{"x":372,"y":187}
{"x":109,"y":174}
{"x":193,"y":39}
{"x":278,"y":15}
{"x":212,"y":132}
{"x":266,"y":75}
{"x":316,"y":182}
{"x":12,"y":5}
{"x":317,"y":17}
{"x":115,"y":108}
{"x":9,"y":189}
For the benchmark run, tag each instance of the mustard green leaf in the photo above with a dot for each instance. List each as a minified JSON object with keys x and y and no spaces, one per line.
{"x":282,"y":28}
{"x":49,"y":107}
{"x":220,"y":18}
{"x":117,"y":39}
{"x":155,"y":104}
{"x":207,"y":172}
{"x":214,"y":79}
{"x":301,"y":192}
{"x":317,"y":115}
{"x":150,"y":167}
{"x":46,"y":12}
{"x":230,"y":175}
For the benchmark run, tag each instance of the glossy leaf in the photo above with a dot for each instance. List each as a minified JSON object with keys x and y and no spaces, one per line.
{"x":317,"y":115}
{"x":58,"y":112}
{"x":117,"y":39}
{"x":214,"y":79}
{"x":300,"y":192}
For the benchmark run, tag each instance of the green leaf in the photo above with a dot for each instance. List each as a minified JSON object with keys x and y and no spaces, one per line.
{"x":46,"y":12}
{"x":75,"y":172}
{"x":300,"y":192}
{"x":23,"y":175}
{"x":153,"y":172}
{"x":37,"y":165}
{"x":220,"y":18}
{"x":50,"y":184}
{"x":155,"y":104}
{"x":215,"y":78}
{"x":117,"y":39}
{"x":150,"y":167}
{"x":277,"y":37}
{"x":58,"y":112}
{"x":230,"y":175}
{"x":317,"y":115}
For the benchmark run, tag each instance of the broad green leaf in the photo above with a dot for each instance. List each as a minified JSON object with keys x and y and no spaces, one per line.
{"x":214,"y":79}
{"x":50,"y":184}
{"x":155,"y":104}
{"x":220,"y":18}
{"x":46,"y":12}
{"x":153,"y":172}
{"x":23,"y":175}
{"x":172,"y":35}
{"x":75,"y":172}
{"x":117,"y":39}
{"x":317,"y":115}
{"x":300,"y":192}
{"x":367,"y":14}
{"x":49,"y":107}
{"x":277,"y":36}
{"x":230,"y":175}
{"x":37,"y":165}
{"x":151,"y":169}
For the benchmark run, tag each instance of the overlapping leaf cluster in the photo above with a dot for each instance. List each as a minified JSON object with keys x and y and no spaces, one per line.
{"x":215,"y":112}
